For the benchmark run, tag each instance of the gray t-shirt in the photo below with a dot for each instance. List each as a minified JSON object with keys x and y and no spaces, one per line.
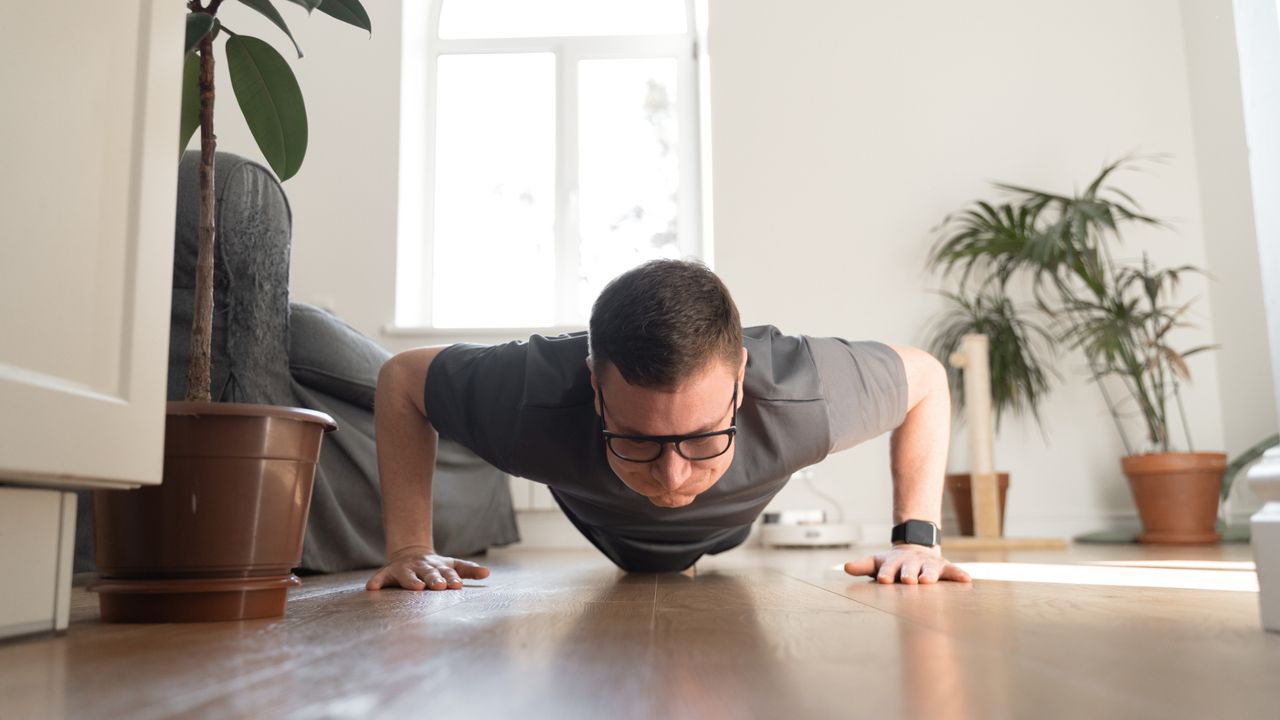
{"x":527,"y":408}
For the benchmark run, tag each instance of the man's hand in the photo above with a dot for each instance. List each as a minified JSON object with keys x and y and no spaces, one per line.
{"x":908,"y":564}
{"x":418,"y":568}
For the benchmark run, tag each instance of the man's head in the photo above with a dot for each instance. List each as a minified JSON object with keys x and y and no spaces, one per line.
{"x":667,"y":355}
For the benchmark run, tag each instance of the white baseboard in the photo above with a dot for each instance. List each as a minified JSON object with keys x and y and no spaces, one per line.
{"x":548,"y":530}
{"x":551,"y":530}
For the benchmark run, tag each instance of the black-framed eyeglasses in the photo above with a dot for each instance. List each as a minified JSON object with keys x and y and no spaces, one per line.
{"x":647,"y":448}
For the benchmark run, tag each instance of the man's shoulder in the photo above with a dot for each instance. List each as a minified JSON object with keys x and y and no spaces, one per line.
{"x":556,"y":371}
{"x":779,"y":366}
{"x":545,"y":371}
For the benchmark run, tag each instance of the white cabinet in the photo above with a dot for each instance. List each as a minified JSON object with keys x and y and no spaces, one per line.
{"x":89,"y":147}
{"x":89,"y":151}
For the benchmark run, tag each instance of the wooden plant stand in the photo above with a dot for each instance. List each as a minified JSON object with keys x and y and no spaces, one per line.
{"x":972,"y":360}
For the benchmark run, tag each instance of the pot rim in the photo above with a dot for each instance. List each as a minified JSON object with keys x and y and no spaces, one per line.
{"x":168,"y":586}
{"x":1202,"y":453}
{"x":1176,"y":463}
{"x":197,"y":409}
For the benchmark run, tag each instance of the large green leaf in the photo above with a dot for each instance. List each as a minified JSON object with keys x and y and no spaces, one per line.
{"x":271,"y":101}
{"x":190,"y":100}
{"x":348,"y":11}
{"x":269,"y":11}
{"x":198,"y":25}
{"x":1243,"y":461}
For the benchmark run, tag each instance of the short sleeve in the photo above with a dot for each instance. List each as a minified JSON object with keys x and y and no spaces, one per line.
{"x":865,"y":387}
{"x":473,"y":396}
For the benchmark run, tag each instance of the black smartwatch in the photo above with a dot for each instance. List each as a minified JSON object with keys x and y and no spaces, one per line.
{"x":917,"y":532}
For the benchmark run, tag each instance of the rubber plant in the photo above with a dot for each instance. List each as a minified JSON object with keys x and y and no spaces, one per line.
{"x":271,"y":102}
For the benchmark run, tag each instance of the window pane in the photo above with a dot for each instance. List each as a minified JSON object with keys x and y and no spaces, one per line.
{"x":494,"y":236}
{"x":628,"y":168}
{"x":460,"y":19}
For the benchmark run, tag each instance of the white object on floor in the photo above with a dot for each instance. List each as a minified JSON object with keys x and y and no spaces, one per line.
{"x":810,"y":535}
{"x":1264,"y":480}
{"x":37,"y":543}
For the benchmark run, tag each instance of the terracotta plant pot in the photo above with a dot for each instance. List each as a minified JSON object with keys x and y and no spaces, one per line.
{"x":958,"y":485}
{"x":227,"y":520}
{"x":1177,"y":495}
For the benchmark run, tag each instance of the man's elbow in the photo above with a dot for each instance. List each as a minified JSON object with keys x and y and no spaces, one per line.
{"x":403,"y":377}
{"x":926,"y":377}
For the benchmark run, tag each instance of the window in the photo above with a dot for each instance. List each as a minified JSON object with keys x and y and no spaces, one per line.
{"x":546,"y":146}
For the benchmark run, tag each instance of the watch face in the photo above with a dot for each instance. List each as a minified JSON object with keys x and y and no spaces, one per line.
{"x":920,"y":533}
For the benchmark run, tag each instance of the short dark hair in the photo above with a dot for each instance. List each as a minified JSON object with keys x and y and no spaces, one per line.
{"x":663,"y":321}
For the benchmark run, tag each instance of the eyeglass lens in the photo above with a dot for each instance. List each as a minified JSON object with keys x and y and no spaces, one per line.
{"x":703,"y":448}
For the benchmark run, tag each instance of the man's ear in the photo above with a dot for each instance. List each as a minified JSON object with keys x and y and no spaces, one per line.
{"x":742,"y":374}
{"x":595,"y":386}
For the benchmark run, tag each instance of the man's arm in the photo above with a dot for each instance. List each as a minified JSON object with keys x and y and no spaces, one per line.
{"x":918,"y":447}
{"x":406,"y":463}
{"x":918,"y":458}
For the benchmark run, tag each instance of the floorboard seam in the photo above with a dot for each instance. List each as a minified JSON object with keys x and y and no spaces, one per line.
{"x":837,"y":594}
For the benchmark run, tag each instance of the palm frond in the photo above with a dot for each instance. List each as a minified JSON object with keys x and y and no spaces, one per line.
{"x":1116,"y":315}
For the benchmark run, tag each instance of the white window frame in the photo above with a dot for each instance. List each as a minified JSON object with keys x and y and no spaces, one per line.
{"x":415,"y":263}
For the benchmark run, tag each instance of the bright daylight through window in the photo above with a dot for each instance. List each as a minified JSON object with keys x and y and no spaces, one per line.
{"x":546,"y":147}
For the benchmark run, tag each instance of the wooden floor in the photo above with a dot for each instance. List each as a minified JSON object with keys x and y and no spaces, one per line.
{"x":1094,"y":632}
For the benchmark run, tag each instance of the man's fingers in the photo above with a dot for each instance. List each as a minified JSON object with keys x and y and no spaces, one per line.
{"x":954,"y":573}
{"x":929,"y":572}
{"x":888,"y":571}
{"x":906,"y":568}
{"x":408,"y":579}
{"x":427,"y":573}
{"x":865,"y":566}
{"x":470,"y":570}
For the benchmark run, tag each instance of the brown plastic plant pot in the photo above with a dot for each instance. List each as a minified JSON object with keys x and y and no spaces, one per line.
{"x":1177,"y":495}
{"x":201,"y":600}
{"x":961,"y":490}
{"x":233,"y":501}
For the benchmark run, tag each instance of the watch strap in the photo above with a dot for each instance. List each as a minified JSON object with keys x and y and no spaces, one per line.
{"x":916,"y":532}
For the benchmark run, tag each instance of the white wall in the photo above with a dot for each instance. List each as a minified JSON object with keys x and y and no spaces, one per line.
{"x":842,"y":133}
{"x":1231,"y":247}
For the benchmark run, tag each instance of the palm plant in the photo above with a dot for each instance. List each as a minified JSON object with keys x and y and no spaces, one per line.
{"x":1116,"y":315}
{"x":271,"y":102}
{"x":1125,"y":333}
{"x":1019,"y":372}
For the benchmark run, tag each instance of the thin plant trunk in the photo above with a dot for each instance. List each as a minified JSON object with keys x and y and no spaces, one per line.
{"x":198,"y":365}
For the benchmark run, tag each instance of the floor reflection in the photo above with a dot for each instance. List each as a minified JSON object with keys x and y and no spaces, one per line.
{"x":34,"y":684}
{"x":1127,"y":575}
{"x":936,"y":680}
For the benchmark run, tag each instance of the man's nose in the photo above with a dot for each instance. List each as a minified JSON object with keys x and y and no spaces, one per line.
{"x":670,"y":469}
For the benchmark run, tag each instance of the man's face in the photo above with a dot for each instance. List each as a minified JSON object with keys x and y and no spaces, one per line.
{"x":700,"y":404}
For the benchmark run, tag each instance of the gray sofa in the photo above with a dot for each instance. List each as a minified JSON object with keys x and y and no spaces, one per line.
{"x":268,"y":350}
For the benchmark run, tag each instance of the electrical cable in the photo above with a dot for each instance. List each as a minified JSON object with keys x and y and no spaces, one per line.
{"x":807,"y":476}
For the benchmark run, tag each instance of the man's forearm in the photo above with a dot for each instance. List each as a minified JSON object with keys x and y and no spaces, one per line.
{"x":406,"y":457}
{"x":918,"y":453}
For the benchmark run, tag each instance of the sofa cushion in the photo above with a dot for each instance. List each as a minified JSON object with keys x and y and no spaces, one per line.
{"x":329,"y":355}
